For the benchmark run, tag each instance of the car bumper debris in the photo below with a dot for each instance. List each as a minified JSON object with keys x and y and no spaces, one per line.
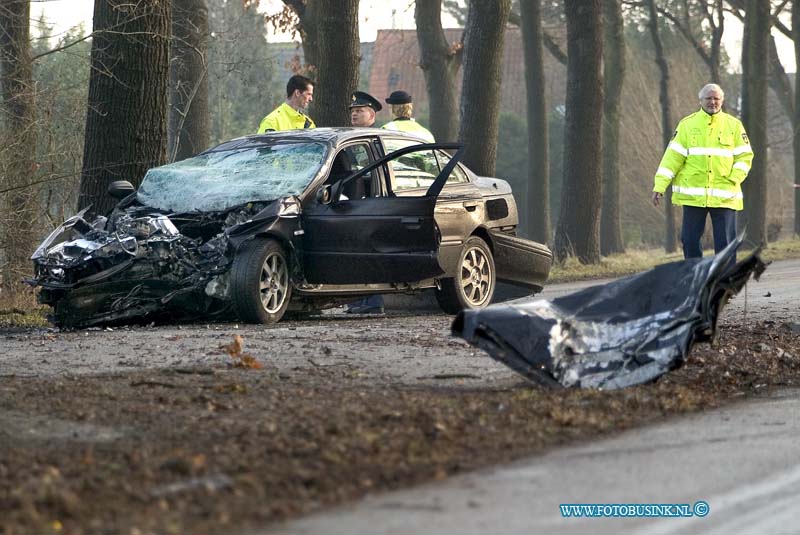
{"x":627,"y":332}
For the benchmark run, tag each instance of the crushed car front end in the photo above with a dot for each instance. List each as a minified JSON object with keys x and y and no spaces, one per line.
{"x":167,"y":250}
{"x":139,"y":263}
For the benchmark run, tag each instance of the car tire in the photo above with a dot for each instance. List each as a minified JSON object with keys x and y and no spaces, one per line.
{"x":261,"y":287}
{"x":61,"y":318}
{"x":474,"y":284}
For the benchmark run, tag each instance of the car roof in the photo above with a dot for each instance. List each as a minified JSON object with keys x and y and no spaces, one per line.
{"x":333,"y":136}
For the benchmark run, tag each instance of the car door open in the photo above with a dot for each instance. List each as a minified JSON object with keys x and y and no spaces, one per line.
{"x":375,"y":239}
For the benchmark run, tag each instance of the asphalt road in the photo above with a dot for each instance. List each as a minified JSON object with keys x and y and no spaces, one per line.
{"x":741,"y":460}
{"x":775,"y":296}
{"x":410,"y":347}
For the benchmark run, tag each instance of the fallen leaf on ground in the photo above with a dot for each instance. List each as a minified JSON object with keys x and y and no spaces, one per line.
{"x":241,"y":360}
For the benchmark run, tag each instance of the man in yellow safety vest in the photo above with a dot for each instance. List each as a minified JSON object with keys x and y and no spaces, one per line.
{"x":706,"y":162}
{"x":290,"y":115}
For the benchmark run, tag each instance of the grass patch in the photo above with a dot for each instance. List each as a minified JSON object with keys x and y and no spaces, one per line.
{"x":16,"y":317}
{"x":19,"y":309}
{"x":637,"y":260}
{"x":782,"y":250}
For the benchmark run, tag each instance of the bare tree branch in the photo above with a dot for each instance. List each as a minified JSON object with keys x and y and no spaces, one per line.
{"x":553,"y":48}
{"x":779,"y":8}
{"x":683,"y":27}
{"x":61,"y":48}
{"x":781,"y":27}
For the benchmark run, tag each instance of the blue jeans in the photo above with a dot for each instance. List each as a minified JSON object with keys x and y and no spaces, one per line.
{"x":723,"y":222}
{"x":369,"y":301}
{"x":373,"y":301}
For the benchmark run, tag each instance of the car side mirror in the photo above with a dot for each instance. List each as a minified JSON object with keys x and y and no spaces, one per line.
{"x":324,"y":194}
{"x":119,"y":189}
{"x":336,"y":191}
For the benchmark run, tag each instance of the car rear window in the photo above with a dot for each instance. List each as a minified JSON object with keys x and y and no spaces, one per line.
{"x":419,"y":169}
{"x":414,"y":170}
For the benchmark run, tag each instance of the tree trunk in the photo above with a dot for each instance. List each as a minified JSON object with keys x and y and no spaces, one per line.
{"x":670,"y":235}
{"x":126,"y":122}
{"x":18,"y":161}
{"x":308,"y":26}
{"x":338,"y":54}
{"x":779,"y":81}
{"x":716,"y":41}
{"x":537,"y":215}
{"x":614,"y":73}
{"x":578,"y":229}
{"x":796,"y":117}
{"x":440,"y":65}
{"x":480,"y":92}
{"x":189,"y":120}
{"x":754,"y":116}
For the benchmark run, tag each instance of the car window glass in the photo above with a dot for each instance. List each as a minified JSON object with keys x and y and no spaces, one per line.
{"x":393,"y":144}
{"x":220,"y":179}
{"x":359,"y":156}
{"x":457,"y":175}
{"x":347,"y":161}
{"x":413,"y":170}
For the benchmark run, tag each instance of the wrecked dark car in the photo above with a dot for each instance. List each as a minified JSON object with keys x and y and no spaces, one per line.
{"x":290,"y":221}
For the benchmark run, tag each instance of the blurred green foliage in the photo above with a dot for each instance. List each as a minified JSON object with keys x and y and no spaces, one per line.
{"x":241,"y":81}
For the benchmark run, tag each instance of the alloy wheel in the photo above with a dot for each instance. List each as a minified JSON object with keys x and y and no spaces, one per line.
{"x":274,"y":282}
{"x":476,"y":276}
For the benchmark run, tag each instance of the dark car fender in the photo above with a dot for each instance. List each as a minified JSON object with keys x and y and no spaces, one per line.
{"x":275,"y":221}
{"x":519,"y":261}
{"x":450,"y":256}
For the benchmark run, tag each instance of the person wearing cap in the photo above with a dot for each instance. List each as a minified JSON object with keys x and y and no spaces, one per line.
{"x":363,"y":108}
{"x":402,"y":109}
{"x":290,"y":115}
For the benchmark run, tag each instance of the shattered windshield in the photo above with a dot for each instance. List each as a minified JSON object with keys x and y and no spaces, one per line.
{"x":219,"y":180}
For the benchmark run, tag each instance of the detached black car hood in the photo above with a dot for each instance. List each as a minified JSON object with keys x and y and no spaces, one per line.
{"x":623,"y":333}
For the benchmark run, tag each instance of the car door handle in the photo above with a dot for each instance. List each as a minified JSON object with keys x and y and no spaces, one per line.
{"x":411,"y":222}
{"x":470,"y":205}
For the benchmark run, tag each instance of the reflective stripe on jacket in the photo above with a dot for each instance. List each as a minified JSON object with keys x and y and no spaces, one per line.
{"x":284,"y":117}
{"x":405,"y":124}
{"x":706,"y":162}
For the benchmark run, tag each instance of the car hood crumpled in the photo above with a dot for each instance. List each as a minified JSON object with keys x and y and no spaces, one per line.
{"x":610,"y":336}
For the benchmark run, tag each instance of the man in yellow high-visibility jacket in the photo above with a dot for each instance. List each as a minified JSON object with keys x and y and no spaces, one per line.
{"x":706,"y":162}
{"x":402,"y":109}
{"x":289,"y":115}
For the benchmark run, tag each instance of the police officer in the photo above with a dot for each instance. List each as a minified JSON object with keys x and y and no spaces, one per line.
{"x":402,"y":109}
{"x":290,"y":115}
{"x":706,"y":162}
{"x":363,"y":108}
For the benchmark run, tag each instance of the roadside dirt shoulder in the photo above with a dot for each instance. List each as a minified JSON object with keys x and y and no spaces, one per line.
{"x":196,"y":446}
